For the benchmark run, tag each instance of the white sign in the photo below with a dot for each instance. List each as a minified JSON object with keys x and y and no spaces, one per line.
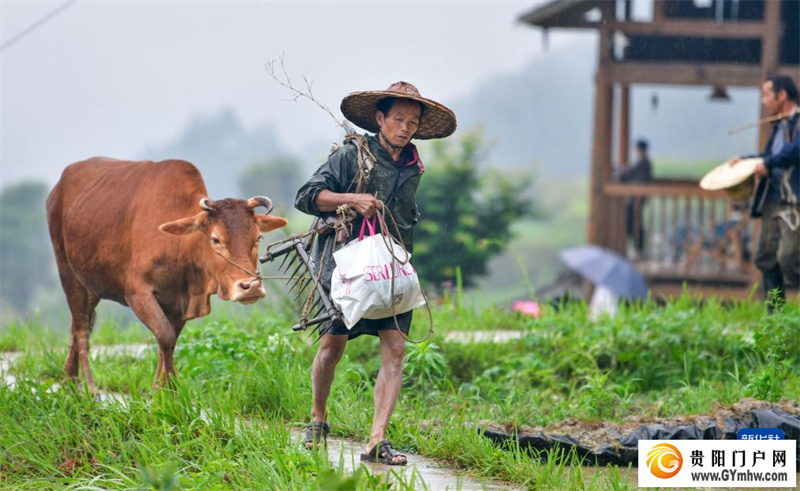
{"x":717,"y":463}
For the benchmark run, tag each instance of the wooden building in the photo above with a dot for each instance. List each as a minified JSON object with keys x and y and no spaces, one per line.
{"x":691,"y":235}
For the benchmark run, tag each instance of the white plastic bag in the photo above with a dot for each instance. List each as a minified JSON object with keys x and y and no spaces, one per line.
{"x":361,"y":286}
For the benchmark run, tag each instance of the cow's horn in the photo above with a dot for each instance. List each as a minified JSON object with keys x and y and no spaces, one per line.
{"x":260,"y":201}
{"x":206,"y":204}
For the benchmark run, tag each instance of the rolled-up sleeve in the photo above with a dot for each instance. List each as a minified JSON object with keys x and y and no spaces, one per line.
{"x":335,"y":175}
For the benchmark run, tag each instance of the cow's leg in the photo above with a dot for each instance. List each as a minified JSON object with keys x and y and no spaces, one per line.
{"x":82,"y":333}
{"x":168,"y":368}
{"x":81,"y":303}
{"x":81,"y":306}
{"x":71,"y":366}
{"x":159,"y":368}
{"x":148,"y":310}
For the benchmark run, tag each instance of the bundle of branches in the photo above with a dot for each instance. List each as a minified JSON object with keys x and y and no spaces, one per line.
{"x":316,"y":306}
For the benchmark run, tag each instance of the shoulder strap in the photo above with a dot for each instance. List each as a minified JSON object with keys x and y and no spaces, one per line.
{"x":365,"y":159}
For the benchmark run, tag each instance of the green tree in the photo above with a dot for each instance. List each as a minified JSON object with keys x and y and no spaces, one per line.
{"x":466,"y":216}
{"x":26,"y":255}
{"x":278,"y":178}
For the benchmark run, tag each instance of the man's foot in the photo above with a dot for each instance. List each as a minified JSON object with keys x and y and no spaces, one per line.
{"x":316,"y":434}
{"x":384,"y":454}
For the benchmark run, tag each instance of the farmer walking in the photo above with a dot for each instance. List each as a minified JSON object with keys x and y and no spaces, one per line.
{"x":776,"y":199}
{"x":395,"y":115}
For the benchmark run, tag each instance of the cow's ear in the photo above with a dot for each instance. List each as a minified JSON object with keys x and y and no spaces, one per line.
{"x":197,"y":223}
{"x":269,"y":222}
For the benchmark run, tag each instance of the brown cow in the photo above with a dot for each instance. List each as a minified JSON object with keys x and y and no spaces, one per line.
{"x":144,"y":234}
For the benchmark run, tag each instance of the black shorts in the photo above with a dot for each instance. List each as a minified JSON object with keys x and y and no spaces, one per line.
{"x":372,"y":326}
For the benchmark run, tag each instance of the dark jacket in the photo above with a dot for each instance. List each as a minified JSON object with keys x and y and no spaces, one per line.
{"x":785,"y":161}
{"x":641,"y":171}
{"x":396,"y":187}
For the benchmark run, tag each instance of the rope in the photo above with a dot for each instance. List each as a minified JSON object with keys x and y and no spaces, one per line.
{"x":256,"y":275}
{"x":344,"y":220}
{"x":304,"y":278}
{"x":387,"y":237}
{"x":343,"y":225}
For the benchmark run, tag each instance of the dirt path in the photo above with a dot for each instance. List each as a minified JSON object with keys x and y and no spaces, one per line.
{"x":469,"y":337}
{"x":348,"y":452}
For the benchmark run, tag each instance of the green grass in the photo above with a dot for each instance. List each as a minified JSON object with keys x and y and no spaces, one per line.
{"x":667,"y":169}
{"x":680,"y":359}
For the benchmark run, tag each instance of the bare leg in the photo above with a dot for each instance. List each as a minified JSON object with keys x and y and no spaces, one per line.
{"x":331,"y":348}
{"x":387,"y":386}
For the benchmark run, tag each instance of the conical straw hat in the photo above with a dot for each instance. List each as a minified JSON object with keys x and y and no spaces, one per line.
{"x":725,"y":175}
{"x":437,"y":120}
{"x":736,"y":180}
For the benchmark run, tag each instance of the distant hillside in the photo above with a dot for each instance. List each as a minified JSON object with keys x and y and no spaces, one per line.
{"x":220,"y":147}
{"x":544,"y":114}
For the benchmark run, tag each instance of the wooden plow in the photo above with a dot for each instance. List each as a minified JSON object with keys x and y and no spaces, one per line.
{"x":302,"y":275}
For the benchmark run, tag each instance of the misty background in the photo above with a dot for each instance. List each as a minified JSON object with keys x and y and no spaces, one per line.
{"x":160,"y":80}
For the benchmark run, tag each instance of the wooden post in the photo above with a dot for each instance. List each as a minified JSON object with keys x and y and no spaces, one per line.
{"x":624,"y":123}
{"x":621,"y":240}
{"x":601,"y":148}
{"x":770,"y":55}
{"x":617,"y":211}
{"x":638,"y":234}
{"x":770,"y":58}
{"x":663,"y":229}
{"x":658,"y":11}
{"x":598,"y":226}
{"x":675,"y":235}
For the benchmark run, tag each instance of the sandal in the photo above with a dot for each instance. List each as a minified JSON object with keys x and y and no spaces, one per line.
{"x":384,"y":453}
{"x":316,"y":433}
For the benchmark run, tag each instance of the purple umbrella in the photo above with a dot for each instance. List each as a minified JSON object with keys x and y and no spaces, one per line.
{"x":604,"y":267}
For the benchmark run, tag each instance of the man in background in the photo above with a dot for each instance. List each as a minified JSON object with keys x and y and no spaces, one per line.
{"x":641,"y":171}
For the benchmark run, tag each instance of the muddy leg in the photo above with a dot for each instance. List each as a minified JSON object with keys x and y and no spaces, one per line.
{"x":387,"y":386}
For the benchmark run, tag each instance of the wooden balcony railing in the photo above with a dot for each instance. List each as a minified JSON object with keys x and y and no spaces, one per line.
{"x":682,"y":233}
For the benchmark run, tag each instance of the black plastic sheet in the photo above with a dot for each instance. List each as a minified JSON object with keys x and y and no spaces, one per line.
{"x":624,"y":451}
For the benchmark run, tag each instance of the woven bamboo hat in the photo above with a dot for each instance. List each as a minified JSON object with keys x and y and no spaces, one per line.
{"x":437,"y":120}
{"x":737,"y":180}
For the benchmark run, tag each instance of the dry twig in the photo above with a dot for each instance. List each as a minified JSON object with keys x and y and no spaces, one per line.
{"x":283,"y":79}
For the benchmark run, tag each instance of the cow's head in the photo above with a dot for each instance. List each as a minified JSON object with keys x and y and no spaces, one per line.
{"x":232,"y":229}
